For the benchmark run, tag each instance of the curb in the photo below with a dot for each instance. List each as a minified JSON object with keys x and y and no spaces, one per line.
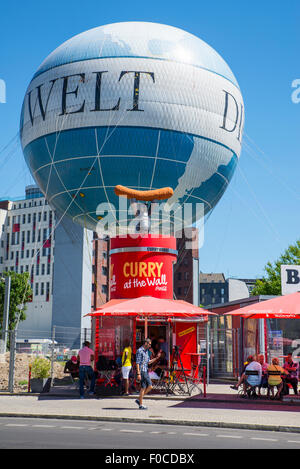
{"x":241,"y":426}
{"x":290,"y":403}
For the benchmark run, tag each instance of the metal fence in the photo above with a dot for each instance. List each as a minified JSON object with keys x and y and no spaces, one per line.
{"x":25,"y":346}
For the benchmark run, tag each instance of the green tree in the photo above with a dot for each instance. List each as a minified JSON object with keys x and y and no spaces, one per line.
{"x":271,"y":283}
{"x":20,"y":293}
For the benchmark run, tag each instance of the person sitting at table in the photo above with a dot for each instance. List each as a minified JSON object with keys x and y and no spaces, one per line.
{"x":72,"y":367}
{"x":293,"y":369}
{"x":264,"y":378}
{"x":156,"y":355}
{"x":161,"y":364}
{"x":250,"y":359}
{"x":274,"y":377}
{"x":253,"y":374}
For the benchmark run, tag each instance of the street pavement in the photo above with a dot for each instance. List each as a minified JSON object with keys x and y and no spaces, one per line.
{"x":78,"y":434}
{"x":221,"y":408}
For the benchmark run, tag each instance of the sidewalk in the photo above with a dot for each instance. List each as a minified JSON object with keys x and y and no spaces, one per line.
{"x":221,"y":408}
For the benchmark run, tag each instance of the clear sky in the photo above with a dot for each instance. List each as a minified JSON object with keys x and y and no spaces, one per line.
{"x":258,"y":217}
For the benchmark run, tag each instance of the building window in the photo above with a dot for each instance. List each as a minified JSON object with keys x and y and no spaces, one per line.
{"x":28,"y":236}
{"x":179,"y":276}
{"x":36,"y":289}
{"x":43,"y":269}
{"x":48,"y":268}
{"x":45,"y":216}
{"x":42,"y":288}
{"x":37,"y":270}
{"x":29,"y":218}
{"x":104,"y":289}
{"x":179,"y":291}
{"x":186,"y":275}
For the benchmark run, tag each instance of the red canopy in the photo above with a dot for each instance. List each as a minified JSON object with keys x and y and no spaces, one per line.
{"x":150,"y":306}
{"x":284,"y":307}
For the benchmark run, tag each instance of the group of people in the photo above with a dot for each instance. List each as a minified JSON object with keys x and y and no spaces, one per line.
{"x":151,"y":360}
{"x":259,"y":374}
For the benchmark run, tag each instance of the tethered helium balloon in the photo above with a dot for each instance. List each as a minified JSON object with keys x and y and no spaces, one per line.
{"x":136,"y":104}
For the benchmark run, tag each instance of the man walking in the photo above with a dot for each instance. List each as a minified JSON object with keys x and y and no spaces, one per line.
{"x":142,"y":363}
{"x":86,"y":355}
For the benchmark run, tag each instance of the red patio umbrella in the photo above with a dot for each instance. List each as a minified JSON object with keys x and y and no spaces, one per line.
{"x":281,"y":307}
{"x":150,"y":306}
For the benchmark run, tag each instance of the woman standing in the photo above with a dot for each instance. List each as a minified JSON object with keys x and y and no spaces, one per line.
{"x":126,"y":365}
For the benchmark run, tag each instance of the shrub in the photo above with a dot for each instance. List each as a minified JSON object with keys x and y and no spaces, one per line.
{"x":40,"y":368}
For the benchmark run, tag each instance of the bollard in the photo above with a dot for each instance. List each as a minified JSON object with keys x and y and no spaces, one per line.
{"x":204,"y":381}
{"x":29,"y":378}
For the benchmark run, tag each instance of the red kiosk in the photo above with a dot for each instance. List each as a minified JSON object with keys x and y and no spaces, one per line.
{"x":141,"y":300}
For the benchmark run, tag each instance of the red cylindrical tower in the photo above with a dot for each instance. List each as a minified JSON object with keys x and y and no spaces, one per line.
{"x":142,"y":265}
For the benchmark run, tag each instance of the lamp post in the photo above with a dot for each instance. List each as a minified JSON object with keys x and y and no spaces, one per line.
{"x":7,"y":281}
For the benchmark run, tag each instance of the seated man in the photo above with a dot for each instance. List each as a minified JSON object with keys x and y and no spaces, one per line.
{"x":292,"y":368}
{"x":72,"y":367}
{"x":243,"y":376}
{"x":274,"y":377}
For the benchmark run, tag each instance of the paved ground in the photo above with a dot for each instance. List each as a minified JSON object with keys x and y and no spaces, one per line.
{"x":221,"y":408}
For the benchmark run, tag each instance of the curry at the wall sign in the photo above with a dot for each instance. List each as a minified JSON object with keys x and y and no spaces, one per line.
{"x":139,"y":272}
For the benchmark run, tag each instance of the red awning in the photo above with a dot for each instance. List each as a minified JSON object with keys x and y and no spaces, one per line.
{"x":281,"y":307}
{"x":150,"y":306}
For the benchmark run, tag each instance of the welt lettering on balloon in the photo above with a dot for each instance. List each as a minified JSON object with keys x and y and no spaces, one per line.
{"x":38,"y":99}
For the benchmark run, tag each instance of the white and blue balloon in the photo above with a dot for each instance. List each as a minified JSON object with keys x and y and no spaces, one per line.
{"x":144,"y":105}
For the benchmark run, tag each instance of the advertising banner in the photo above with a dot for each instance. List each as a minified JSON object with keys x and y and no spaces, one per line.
{"x":143,"y":267}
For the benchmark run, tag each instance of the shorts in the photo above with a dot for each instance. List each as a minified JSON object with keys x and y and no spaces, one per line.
{"x":126,"y":371}
{"x":145,"y":380}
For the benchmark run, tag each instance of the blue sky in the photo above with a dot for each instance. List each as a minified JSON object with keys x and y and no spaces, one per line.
{"x":258,"y":217}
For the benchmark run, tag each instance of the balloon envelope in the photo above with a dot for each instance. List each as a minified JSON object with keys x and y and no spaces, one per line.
{"x":143,"y":105}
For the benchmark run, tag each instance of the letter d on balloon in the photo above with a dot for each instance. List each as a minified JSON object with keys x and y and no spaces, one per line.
{"x":2,"y":91}
{"x":232,"y":108}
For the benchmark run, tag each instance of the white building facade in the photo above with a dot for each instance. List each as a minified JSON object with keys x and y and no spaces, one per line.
{"x":27,"y":245}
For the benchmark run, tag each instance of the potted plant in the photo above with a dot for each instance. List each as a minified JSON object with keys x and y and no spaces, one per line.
{"x":40,"y":372}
